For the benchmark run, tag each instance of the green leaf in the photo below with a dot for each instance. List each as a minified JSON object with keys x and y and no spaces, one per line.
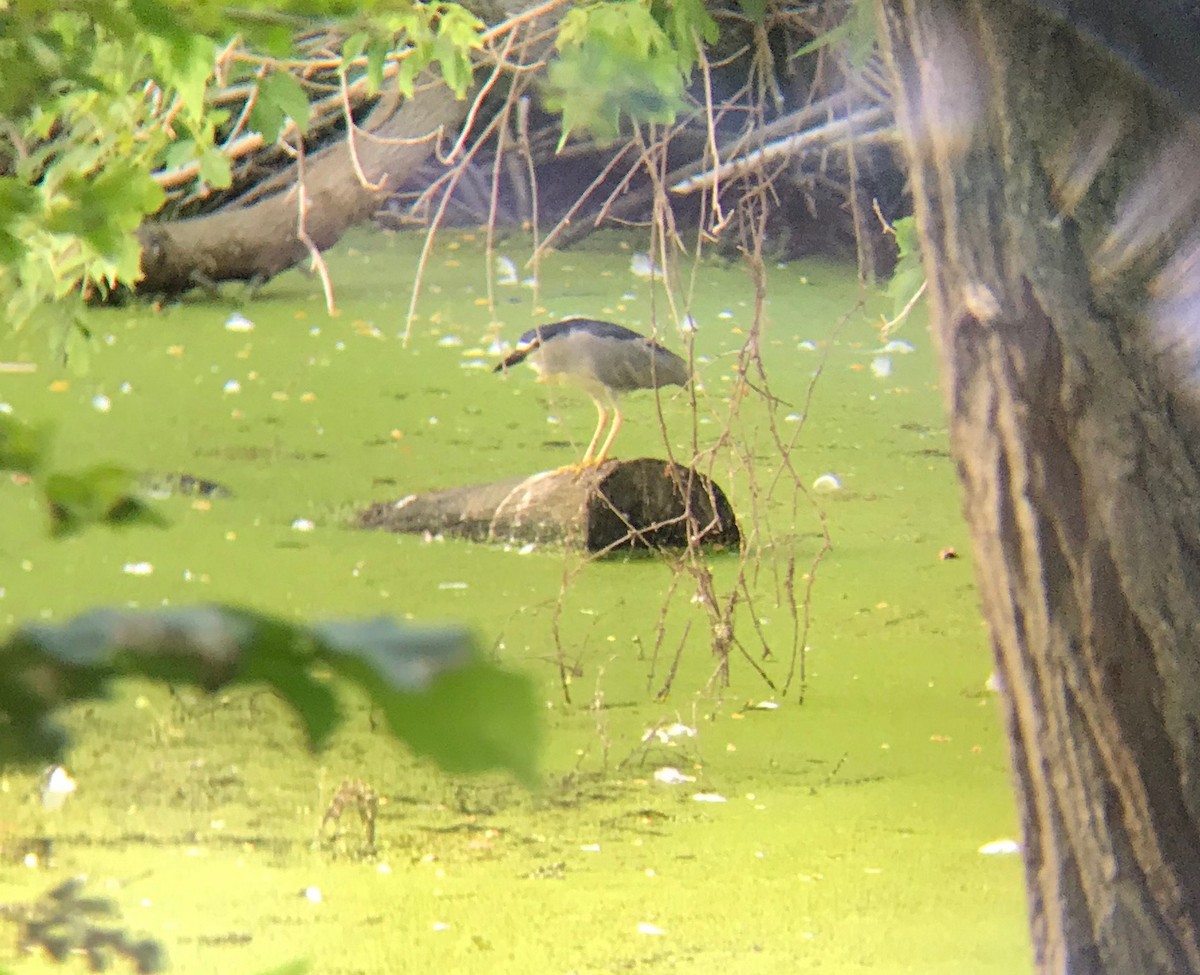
{"x":437,"y":695}
{"x":280,"y":97}
{"x":908,"y":238}
{"x":23,"y":448}
{"x":285,"y":91}
{"x":215,"y":168}
{"x":17,"y":200}
{"x":756,"y":10}
{"x":353,"y":46}
{"x":105,"y":210}
{"x":377,"y":52}
{"x":100,"y":495}
{"x":614,"y":59}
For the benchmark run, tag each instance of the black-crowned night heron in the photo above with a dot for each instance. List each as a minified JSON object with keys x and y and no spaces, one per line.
{"x":602,"y":358}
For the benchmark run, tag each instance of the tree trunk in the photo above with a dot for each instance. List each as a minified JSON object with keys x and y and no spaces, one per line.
{"x":1076,"y":447}
{"x":258,"y":241}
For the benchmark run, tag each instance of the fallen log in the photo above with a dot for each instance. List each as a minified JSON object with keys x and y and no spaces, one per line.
{"x":620,"y":505}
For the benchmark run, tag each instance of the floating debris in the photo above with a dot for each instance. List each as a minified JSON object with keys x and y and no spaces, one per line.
{"x":303,"y":525}
{"x":137,"y":568}
{"x":643,"y":266}
{"x":450,"y":341}
{"x":688,"y":325}
{"x":881,"y":367}
{"x":312,"y":894}
{"x":808,"y":345}
{"x":1000,"y":848}
{"x":506,"y":271}
{"x":645,"y":927}
{"x":232,"y":386}
{"x":666,"y":733}
{"x":57,"y":784}
{"x":101,"y":403}
{"x":764,"y":706}
{"x":827,"y":483}
{"x":708,"y":797}
{"x":898,"y":347}
{"x":237,"y":322}
{"x":672,"y":776}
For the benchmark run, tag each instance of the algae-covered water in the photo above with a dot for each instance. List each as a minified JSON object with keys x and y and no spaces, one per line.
{"x":841,"y":834}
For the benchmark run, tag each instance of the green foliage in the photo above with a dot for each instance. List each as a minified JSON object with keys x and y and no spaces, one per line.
{"x":100,"y":495}
{"x":96,"y":96}
{"x":435,"y":691}
{"x":855,"y":35}
{"x":909,"y":275}
{"x":436,"y":33}
{"x":625,"y":58}
{"x":280,"y":97}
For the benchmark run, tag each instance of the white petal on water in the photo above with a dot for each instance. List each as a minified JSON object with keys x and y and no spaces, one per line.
{"x":898,"y":347}
{"x":303,"y":525}
{"x":765,"y":706}
{"x":57,"y":784}
{"x":807,"y":345}
{"x":1000,"y":848}
{"x":665,"y":733}
{"x":708,"y":797}
{"x":450,"y":341}
{"x":881,"y":367}
{"x":827,"y":483}
{"x":506,"y":270}
{"x":644,"y":267}
{"x":645,"y":927}
{"x":672,"y":776}
{"x":137,"y":568}
{"x":237,"y":322}
{"x":101,"y":403}
{"x":452,"y":585}
{"x":232,"y":386}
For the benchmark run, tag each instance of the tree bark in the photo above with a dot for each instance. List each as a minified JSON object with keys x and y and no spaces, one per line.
{"x":1076,"y":446}
{"x":257,"y":242}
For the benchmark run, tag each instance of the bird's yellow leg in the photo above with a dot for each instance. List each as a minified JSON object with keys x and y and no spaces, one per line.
{"x":587,"y":460}
{"x":612,"y":435}
{"x":591,"y":449}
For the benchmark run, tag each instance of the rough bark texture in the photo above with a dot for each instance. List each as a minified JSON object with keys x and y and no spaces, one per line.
{"x":1078,"y":460}
{"x":618,"y":506}
{"x":261,"y":240}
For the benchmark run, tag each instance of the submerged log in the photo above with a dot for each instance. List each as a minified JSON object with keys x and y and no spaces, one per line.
{"x":620,"y":505}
